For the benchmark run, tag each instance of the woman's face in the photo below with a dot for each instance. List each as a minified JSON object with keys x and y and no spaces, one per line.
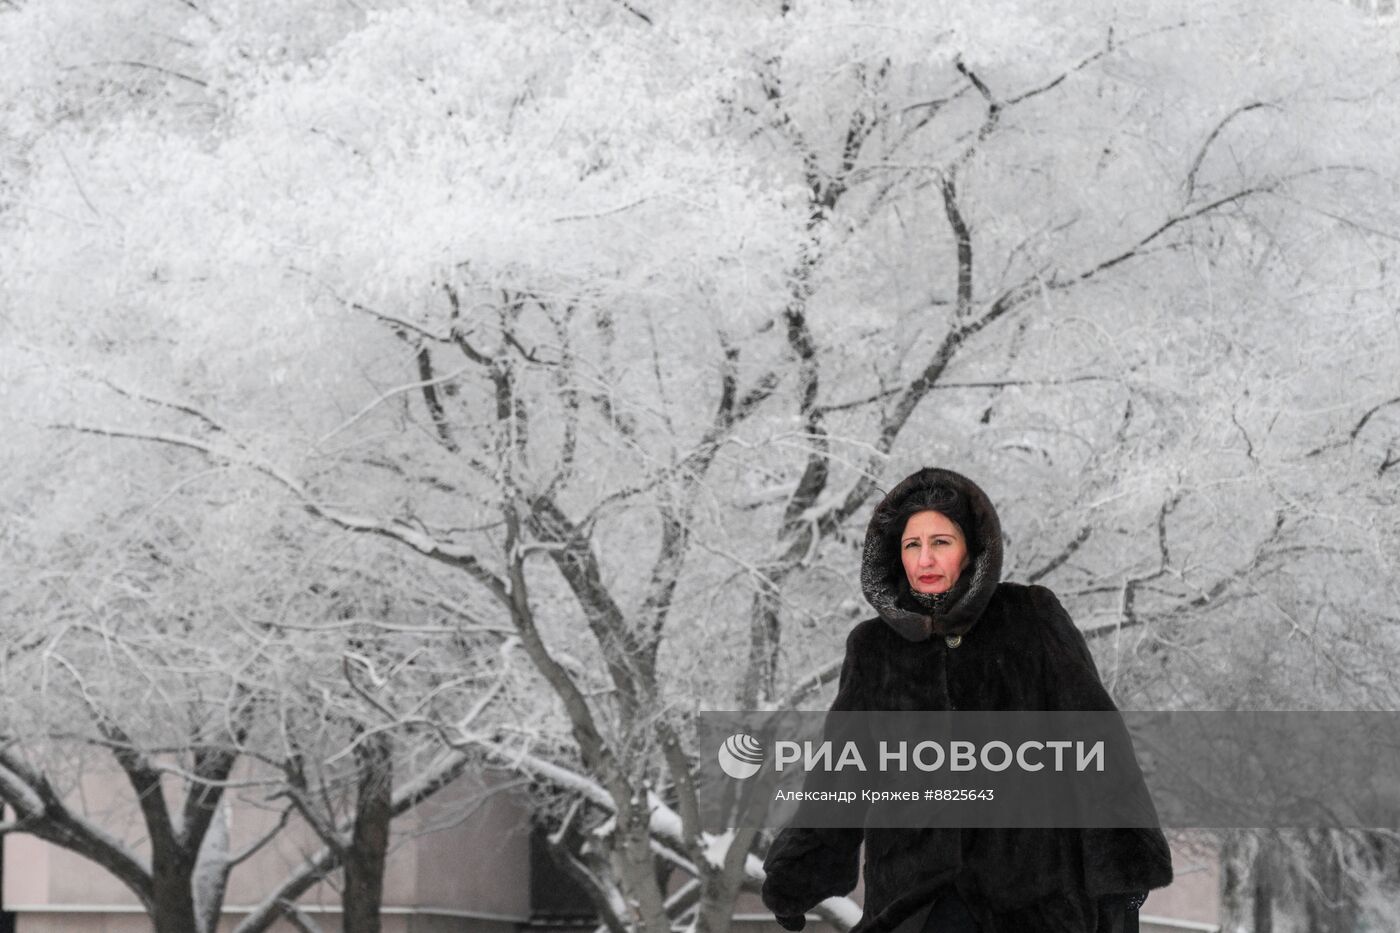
{"x":933,"y":551}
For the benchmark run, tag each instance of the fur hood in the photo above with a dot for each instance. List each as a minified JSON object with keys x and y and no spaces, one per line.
{"x":882,"y":573}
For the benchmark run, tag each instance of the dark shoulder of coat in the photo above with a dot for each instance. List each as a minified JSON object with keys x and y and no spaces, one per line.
{"x":1076,"y":682}
{"x":1024,"y":653}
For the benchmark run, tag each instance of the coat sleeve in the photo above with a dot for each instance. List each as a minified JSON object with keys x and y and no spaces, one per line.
{"x":806,"y":865}
{"x":1120,"y":861}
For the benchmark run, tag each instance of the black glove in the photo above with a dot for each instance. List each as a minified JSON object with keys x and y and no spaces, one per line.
{"x":792,"y":922}
{"x":1136,"y":899}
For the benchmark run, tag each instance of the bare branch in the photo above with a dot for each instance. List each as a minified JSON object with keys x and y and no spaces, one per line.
{"x":183,"y":408}
{"x":811,"y":683}
{"x":423,"y":384}
{"x":985,"y":384}
{"x":1190,"y":183}
{"x":1174,"y":221}
{"x":1058,"y":560}
{"x":595,"y":751}
{"x":989,"y":121}
{"x":127,"y":63}
{"x":256,"y":846}
{"x":429,"y":384}
{"x":35,"y":802}
{"x":814,"y":475}
{"x":634,"y":11}
{"x":1361,"y":423}
{"x":301,"y":920}
{"x":414,"y":537}
{"x":963,"y":237}
{"x":1112,"y":44}
{"x":605,"y":212}
{"x":459,"y":333}
{"x":401,"y":327}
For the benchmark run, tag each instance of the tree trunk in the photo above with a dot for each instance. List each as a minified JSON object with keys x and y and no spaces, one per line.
{"x":716,"y":911}
{"x":369,"y":843}
{"x":1332,"y":907}
{"x":172,"y":910}
{"x":1232,"y":892}
{"x":1263,"y":888}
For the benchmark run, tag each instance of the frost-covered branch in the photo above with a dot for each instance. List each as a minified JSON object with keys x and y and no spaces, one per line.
{"x":40,"y":812}
{"x":416,"y":538}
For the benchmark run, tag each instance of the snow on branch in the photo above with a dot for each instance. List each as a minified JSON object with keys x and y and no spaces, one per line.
{"x":416,"y":538}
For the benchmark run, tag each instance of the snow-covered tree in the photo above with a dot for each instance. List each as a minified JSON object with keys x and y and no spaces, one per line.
{"x":618,"y":318}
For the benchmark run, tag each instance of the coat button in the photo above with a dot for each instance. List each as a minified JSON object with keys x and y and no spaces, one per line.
{"x":952,"y":641}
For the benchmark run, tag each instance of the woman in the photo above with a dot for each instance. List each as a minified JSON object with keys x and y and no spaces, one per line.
{"x":951,"y":635}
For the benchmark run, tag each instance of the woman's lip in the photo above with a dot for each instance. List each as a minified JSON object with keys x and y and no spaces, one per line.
{"x":930,"y":576}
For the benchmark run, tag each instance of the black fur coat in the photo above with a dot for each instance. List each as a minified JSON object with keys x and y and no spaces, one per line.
{"x":991,"y":646}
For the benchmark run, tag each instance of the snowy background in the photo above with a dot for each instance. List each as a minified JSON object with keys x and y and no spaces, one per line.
{"x":390,"y":389}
